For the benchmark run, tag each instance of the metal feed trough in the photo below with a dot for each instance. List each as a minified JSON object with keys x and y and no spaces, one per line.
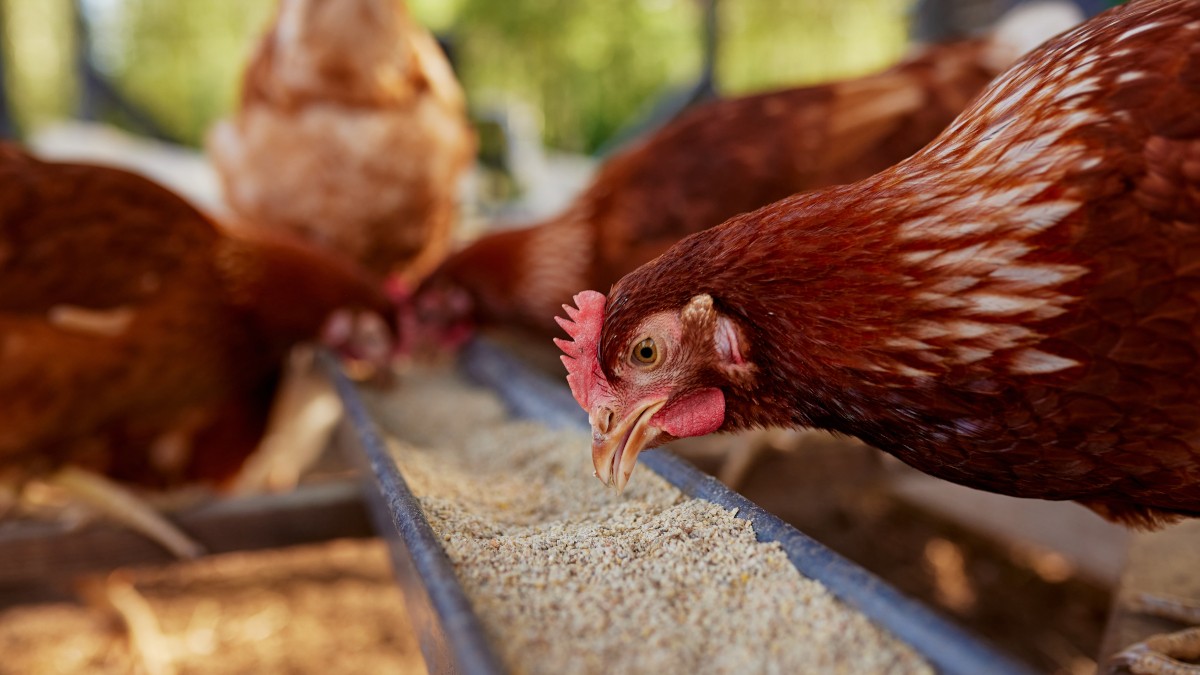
{"x":451,"y":635}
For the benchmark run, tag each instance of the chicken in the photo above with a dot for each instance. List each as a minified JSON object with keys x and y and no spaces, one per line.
{"x":139,"y":342}
{"x":352,"y":132}
{"x":713,"y":162}
{"x":1015,"y":308}
{"x":1011,"y":308}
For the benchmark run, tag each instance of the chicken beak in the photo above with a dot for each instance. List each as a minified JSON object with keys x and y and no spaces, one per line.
{"x":615,"y":447}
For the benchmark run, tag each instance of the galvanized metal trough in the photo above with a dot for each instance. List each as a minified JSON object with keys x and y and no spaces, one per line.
{"x":452,"y":637}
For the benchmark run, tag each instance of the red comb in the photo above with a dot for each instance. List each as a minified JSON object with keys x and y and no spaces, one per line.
{"x":397,"y":289}
{"x":583,"y":349}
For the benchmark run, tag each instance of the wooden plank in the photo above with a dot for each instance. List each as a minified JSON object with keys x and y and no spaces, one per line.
{"x":1160,"y":563}
{"x":1096,"y":547}
{"x":48,"y":554}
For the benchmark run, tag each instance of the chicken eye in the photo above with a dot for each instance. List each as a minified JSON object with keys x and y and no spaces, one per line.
{"x":646,"y":352}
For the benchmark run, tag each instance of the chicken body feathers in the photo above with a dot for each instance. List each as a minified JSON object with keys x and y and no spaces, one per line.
{"x":1016,"y":307}
{"x":127,"y":345}
{"x":352,"y":133}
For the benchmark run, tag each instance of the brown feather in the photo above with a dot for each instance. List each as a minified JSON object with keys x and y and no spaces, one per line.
{"x":126,"y":320}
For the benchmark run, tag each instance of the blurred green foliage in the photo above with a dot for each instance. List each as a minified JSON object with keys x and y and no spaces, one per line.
{"x":182,"y":60}
{"x":39,"y":56}
{"x":775,"y":43}
{"x":588,"y":67}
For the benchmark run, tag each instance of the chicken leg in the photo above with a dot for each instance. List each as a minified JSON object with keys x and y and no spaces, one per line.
{"x":303,"y":417}
{"x":1160,"y":654}
{"x":126,"y":508}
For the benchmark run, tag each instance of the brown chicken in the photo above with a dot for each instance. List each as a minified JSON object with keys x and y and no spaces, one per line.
{"x":1015,"y":308}
{"x":139,"y":342}
{"x":352,"y":132}
{"x":713,"y":162}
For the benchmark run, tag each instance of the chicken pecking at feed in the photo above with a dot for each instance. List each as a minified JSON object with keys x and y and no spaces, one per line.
{"x":713,"y":162}
{"x":1015,"y":308}
{"x":352,"y":132}
{"x":1012,"y":308}
{"x":140,"y":343}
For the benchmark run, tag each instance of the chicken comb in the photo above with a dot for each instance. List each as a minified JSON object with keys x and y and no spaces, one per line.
{"x":397,"y":290}
{"x":582,"y":351}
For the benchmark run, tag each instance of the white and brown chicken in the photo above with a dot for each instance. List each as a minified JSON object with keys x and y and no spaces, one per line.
{"x":351,"y":132}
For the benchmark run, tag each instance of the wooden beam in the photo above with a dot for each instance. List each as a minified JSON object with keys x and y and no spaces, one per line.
{"x":37,"y":557}
{"x":1095,"y":546}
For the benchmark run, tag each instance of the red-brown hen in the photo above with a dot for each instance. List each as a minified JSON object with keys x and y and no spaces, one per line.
{"x":1015,"y":308}
{"x":140,"y":342}
{"x":713,"y":162}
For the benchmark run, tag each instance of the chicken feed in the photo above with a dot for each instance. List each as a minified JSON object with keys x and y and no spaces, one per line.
{"x":568,"y":576}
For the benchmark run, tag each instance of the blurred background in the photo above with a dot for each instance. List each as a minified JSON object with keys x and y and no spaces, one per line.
{"x":589,"y":70}
{"x":574,"y":77}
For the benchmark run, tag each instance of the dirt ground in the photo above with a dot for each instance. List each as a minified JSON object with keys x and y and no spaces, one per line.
{"x":329,"y":608}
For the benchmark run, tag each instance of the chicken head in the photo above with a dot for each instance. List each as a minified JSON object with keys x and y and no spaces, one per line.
{"x":666,"y":382}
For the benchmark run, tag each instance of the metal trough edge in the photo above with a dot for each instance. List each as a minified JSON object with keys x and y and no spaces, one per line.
{"x":451,"y":636}
{"x":949,"y":648}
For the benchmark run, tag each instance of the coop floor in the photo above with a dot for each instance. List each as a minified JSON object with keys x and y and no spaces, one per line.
{"x":328,"y":608}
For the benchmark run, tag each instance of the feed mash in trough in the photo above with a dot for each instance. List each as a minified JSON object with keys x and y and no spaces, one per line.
{"x":568,"y":576}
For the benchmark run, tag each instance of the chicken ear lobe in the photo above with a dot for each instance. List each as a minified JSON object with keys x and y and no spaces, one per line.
{"x":707,"y":331}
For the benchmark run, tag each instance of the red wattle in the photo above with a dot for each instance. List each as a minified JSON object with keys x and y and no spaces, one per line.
{"x":697,"y":414}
